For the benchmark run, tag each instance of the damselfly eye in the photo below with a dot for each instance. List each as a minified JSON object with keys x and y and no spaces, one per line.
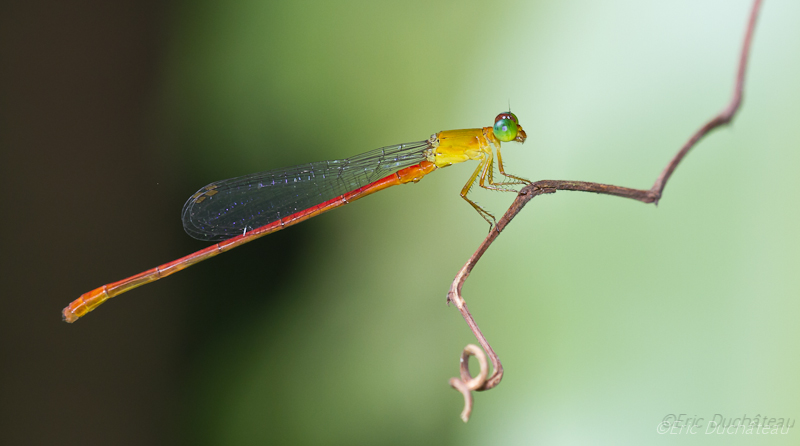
{"x":505,"y":126}
{"x":507,"y":115}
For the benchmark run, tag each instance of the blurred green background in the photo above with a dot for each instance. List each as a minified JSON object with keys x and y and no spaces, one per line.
{"x":608,"y":314}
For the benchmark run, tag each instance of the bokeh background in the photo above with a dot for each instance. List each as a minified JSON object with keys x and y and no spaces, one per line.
{"x":608,"y":314}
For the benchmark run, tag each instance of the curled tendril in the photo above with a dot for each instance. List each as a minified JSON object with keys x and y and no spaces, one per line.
{"x":466,"y":383}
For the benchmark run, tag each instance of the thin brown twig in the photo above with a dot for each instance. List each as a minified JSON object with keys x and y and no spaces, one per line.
{"x":466,"y":383}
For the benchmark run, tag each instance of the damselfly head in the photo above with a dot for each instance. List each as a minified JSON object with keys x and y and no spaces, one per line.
{"x":507,"y":128}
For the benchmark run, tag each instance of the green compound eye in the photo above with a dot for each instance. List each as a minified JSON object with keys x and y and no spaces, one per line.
{"x":505,"y":126}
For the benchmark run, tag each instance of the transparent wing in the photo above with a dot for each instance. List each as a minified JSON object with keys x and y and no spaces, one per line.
{"x":224,"y":209}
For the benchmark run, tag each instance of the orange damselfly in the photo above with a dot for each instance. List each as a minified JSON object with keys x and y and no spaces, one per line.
{"x":238,"y":210}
